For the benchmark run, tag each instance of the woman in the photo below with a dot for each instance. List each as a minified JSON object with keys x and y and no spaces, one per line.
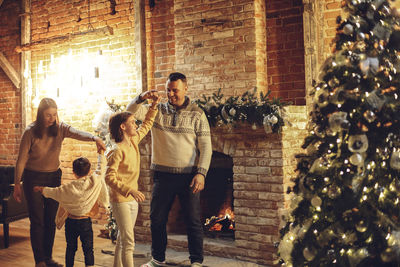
{"x":38,"y":164}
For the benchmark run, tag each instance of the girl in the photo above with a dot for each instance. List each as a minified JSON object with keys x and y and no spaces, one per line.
{"x":38,"y":164}
{"x":122,"y":177}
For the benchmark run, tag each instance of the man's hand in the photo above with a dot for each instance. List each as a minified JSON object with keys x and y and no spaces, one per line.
{"x":17,"y":194}
{"x":37,"y":188}
{"x":137,"y":195}
{"x":197,"y":183}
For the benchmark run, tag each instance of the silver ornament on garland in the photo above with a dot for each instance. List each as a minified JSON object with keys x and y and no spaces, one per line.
{"x":232,"y":112}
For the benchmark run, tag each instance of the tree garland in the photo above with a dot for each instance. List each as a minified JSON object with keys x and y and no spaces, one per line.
{"x":246,"y":108}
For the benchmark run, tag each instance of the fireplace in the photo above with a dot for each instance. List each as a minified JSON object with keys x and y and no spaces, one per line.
{"x":216,"y":201}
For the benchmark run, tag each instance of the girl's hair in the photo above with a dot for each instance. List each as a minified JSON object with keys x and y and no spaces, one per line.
{"x":114,"y":125}
{"x":81,"y":166}
{"x":38,"y":127}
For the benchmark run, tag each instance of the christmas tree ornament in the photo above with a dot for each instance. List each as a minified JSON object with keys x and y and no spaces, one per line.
{"x":357,"y":159}
{"x":348,"y":29}
{"x":369,"y":66}
{"x":360,"y":36}
{"x":254,"y":126}
{"x":388,"y":255}
{"x":395,"y":160}
{"x":361,"y":226}
{"x":338,"y":121}
{"x":316,"y":201}
{"x":369,"y":115}
{"x":232,"y":112}
{"x":358,"y":143}
{"x":382,"y":32}
{"x":309,"y":253}
{"x":375,"y":101}
{"x":224,"y":114}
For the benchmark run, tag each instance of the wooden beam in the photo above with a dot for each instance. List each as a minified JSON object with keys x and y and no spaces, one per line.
{"x":9,"y":70}
{"x":140,"y":43}
{"x":26,"y":92}
{"x":107,"y":30}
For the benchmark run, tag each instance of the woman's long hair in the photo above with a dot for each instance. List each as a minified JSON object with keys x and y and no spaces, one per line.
{"x":38,"y":127}
{"x":114,"y":125}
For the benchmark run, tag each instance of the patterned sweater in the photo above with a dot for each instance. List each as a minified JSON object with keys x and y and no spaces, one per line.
{"x":181,"y":140}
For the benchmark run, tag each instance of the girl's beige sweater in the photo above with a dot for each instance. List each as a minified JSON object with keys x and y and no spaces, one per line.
{"x":123,"y":165}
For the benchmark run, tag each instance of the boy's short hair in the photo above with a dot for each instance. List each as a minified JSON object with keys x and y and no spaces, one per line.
{"x":81,"y":166}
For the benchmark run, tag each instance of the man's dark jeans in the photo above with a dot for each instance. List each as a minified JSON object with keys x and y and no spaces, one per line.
{"x":42,"y":212}
{"x":82,"y":228}
{"x":166,"y":186}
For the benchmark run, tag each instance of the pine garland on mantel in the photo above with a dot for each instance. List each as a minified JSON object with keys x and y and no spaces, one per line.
{"x":247,"y":108}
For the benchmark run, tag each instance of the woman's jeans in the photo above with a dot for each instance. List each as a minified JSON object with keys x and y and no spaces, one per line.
{"x":125,"y":214}
{"x":165,"y":187}
{"x":42,"y":212}
{"x":82,"y":228}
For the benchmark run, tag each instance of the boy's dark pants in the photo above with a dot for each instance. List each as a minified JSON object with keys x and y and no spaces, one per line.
{"x":42,"y":212}
{"x":82,"y":228}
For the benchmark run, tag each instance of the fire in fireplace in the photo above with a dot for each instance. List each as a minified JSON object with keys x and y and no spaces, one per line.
{"x":217,"y":198}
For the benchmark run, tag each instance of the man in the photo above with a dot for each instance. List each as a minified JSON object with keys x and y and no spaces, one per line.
{"x":181,"y":154}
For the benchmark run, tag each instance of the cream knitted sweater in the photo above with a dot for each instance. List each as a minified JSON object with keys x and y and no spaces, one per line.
{"x":181,"y":139}
{"x":79,"y":196}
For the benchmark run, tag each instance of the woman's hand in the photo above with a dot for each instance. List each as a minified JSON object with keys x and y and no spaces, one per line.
{"x":101,"y":147}
{"x":137,"y":195}
{"x":37,"y":188}
{"x":17,"y":194}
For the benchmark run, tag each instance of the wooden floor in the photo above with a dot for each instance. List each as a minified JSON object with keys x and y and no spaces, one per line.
{"x":19,"y":253}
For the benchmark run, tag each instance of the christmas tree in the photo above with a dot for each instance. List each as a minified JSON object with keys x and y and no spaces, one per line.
{"x":345,"y":206}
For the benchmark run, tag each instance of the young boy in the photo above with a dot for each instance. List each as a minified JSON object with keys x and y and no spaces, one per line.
{"x":78,"y":203}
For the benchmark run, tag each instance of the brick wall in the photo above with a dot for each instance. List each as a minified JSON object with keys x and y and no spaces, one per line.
{"x":160,"y":42}
{"x":285,"y":50}
{"x":10,"y":97}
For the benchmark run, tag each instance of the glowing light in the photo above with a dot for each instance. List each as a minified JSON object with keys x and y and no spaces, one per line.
{"x":387,"y":236}
{"x":364,"y":198}
{"x":346,"y":161}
